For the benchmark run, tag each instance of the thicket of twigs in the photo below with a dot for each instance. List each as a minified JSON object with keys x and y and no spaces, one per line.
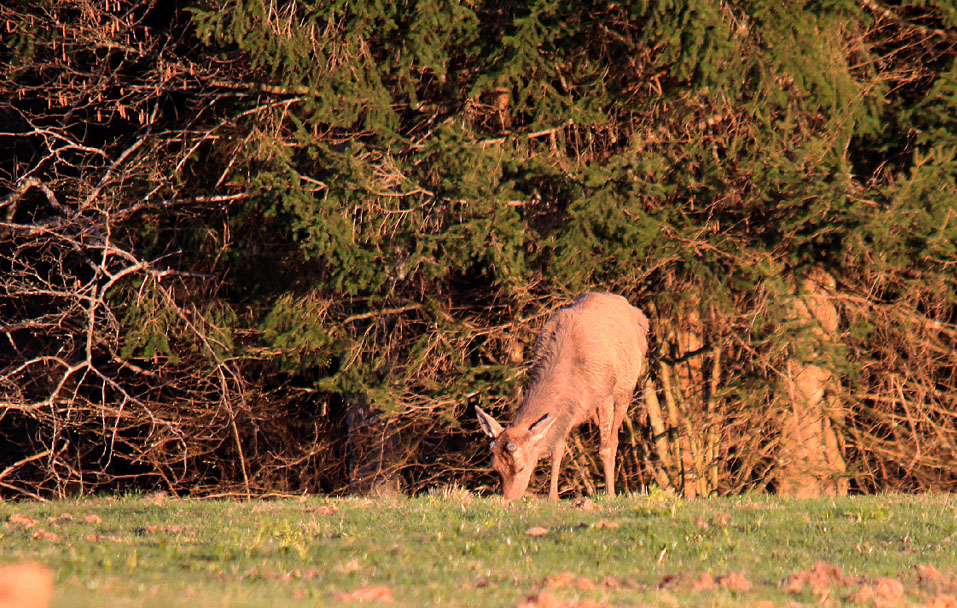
{"x":268,"y":248}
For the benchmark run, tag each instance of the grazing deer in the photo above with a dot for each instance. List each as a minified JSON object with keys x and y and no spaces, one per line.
{"x":587,"y":362}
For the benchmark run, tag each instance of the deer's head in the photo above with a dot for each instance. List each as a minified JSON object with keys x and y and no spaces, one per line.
{"x":515,"y":450}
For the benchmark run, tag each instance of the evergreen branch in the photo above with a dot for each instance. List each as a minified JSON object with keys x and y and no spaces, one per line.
{"x":534,"y":134}
{"x":876,"y":7}
{"x":296,"y":91}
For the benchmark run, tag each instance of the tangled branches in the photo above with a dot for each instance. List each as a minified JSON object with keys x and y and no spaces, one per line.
{"x":86,"y":401}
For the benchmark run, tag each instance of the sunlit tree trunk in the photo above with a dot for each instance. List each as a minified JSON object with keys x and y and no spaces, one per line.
{"x":810,"y":459}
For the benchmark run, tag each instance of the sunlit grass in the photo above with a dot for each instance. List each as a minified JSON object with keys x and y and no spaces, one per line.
{"x":452,"y":548}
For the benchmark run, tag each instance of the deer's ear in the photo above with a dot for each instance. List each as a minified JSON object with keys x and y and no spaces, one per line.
{"x":538,"y":428}
{"x":491,"y":426}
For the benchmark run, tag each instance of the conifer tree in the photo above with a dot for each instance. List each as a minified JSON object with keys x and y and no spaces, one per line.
{"x":245,"y":240}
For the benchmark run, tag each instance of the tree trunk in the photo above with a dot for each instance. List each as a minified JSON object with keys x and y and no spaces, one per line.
{"x":810,"y":460}
{"x":370,"y":452}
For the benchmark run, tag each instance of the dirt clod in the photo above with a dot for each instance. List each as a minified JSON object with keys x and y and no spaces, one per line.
{"x":352,"y":565}
{"x":545,"y":599}
{"x":821,"y":578}
{"x":584,"y":583}
{"x":585,"y":505}
{"x":721,"y":520}
{"x":942,"y":600}
{"x":883,"y":593}
{"x":28,"y":585}
{"x":928,"y":574}
{"x":539,"y":600}
{"x":890,"y":592}
{"x":536,"y":531}
{"x":47,"y":536}
{"x":155,"y":498}
{"x":479,"y":583}
{"x":21,"y":521}
{"x":560,"y":581}
{"x":703,"y":582}
{"x":734,"y":581}
{"x":373,"y":593}
{"x":170,"y":529}
{"x":605,"y":524}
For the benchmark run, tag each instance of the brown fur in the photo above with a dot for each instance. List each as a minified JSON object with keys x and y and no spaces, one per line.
{"x":588,"y":359}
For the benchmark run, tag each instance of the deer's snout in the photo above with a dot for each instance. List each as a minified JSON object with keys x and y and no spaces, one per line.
{"x":514,"y":487}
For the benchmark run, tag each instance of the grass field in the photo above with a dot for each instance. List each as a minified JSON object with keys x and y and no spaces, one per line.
{"x":455,"y":549}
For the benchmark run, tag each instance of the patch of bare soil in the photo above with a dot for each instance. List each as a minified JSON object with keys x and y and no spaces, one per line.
{"x":921,"y":586}
{"x":545,"y":598}
{"x":27,"y":585}
{"x":16,"y":521}
{"x":924,"y":585}
{"x":941,"y":589}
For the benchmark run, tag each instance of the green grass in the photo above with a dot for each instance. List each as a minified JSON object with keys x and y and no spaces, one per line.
{"x":455,"y":549}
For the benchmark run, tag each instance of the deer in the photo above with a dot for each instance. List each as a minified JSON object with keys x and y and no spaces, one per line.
{"x":587,"y":362}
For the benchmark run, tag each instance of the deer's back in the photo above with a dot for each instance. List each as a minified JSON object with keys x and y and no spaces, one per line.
{"x":586,"y":352}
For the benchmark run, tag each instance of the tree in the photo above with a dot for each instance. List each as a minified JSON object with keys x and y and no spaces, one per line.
{"x":249,"y":240}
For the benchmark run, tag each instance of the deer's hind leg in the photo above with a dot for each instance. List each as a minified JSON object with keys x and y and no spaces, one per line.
{"x":608,"y":423}
{"x":610,"y":416}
